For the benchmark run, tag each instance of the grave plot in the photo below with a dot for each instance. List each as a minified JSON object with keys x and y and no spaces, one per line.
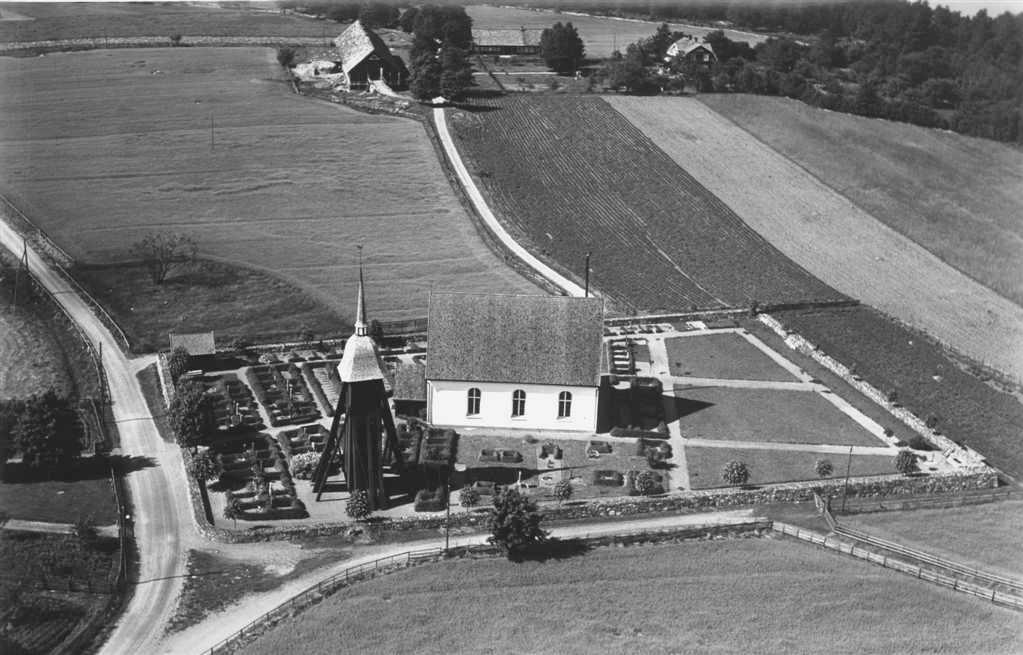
{"x":306,"y":439}
{"x":283,"y":392}
{"x":234,"y":407}
{"x":256,"y":467}
{"x":724,"y":355}
{"x":326,"y":382}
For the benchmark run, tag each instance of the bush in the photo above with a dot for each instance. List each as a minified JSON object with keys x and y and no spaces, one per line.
{"x":468,"y":497}
{"x":357,"y":506}
{"x":905,"y":462}
{"x":735,"y":473}
{"x":824,"y":468}
{"x":563,"y":491}
{"x":647,"y":484}
{"x":920,"y":443}
{"x":304,"y":465}
{"x":204,"y":467}
{"x":286,"y":56}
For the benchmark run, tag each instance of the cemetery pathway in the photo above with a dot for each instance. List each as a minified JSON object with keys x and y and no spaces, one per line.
{"x":200,"y":637}
{"x":162,"y":516}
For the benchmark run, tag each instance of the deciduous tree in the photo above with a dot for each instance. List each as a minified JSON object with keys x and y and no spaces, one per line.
{"x":191,"y":415}
{"x":204,"y":467}
{"x":178,"y":362}
{"x":515,"y":523}
{"x":161,"y":252}
{"x":561,"y":48}
{"x":456,"y":73}
{"x":47,"y":432}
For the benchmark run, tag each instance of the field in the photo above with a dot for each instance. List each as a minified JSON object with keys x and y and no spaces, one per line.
{"x":894,"y":358}
{"x":989,"y":536}
{"x":818,"y":216}
{"x":727,"y":356}
{"x":68,"y":21}
{"x":660,"y":241}
{"x":957,"y":196}
{"x":774,"y":466}
{"x":754,"y":595}
{"x":103,"y":147}
{"x":766,"y":415}
{"x":60,"y":501}
{"x":601,"y":36}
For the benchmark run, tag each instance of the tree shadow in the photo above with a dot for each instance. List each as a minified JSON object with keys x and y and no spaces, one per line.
{"x":125,"y":464}
{"x":84,"y":468}
{"x":552,"y":549}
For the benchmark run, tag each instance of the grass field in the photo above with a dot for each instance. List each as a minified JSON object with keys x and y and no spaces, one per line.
{"x":660,"y":241}
{"x":989,"y":536}
{"x":68,"y":21}
{"x":894,"y":358}
{"x":766,"y":415}
{"x":772,"y":466}
{"x":755,"y":595}
{"x":103,"y":147}
{"x":813,"y":208}
{"x":957,"y":196}
{"x":59,"y":501}
{"x":601,"y":36}
{"x":727,"y":356}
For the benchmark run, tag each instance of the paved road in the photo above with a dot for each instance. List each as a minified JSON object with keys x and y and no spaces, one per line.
{"x":563,"y":283}
{"x":162,"y":514}
{"x":202,"y":636}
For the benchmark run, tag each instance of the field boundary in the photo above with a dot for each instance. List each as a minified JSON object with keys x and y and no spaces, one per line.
{"x":30,"y":48}
{"x":913,"y":570}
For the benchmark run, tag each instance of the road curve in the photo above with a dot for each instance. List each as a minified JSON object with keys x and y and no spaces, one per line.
{"x":158,"y":490}
{"x":569,"y":287}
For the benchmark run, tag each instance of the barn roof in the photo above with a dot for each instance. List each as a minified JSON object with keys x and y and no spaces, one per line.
{"x":552,"y":340}
{"x":358,"y":42}
{"x":514,"y":37}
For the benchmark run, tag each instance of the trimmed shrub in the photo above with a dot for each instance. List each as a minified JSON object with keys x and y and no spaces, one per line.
{"x":905,"y":462}
{"x":304,"y":465}
{"x":735,"y":473}
{"x":563,"y":491}
{"x":357,"y":506}
{"x":824,"y":468}
{"x":468,"y":497}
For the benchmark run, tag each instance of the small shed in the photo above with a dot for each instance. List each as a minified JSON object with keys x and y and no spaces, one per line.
{"x":519,"y":41}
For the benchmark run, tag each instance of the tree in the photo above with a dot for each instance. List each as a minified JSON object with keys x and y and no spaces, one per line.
{"x":646,"y":483}
{"x":561,"y":48}
{"x":161,"y":252}
{"x":424,"y":80}
{"x":824,"y":468}
{"x":468,"y":497}
{"x":204,"y":467}
{"x":442,"y":37}
{"x":233,"y":510}
{"x":905,"y":462}
{"x":735,"y":473}
{"x":629,"y":72}
{"x":515,"y":523}
{"x":286,"y":56}
{"x":357,"y":506}
{"x":455,"y":71}
{"x":563,"y":491}
{"x":178,"y":362}
{"x":85,"y":530}
{"x":407,"y":20}
{"x":47,"y":432}
{"x":175,"y":40}
{"x":379,"y":14}
{"x":191,"y":414}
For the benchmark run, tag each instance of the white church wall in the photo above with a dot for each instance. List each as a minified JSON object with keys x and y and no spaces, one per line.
{"x":447,"y":404}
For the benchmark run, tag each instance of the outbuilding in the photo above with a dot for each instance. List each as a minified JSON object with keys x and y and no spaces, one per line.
{"x":366,"y":58}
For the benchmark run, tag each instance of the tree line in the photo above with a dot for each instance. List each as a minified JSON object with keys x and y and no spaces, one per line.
{"x":882,"y":58}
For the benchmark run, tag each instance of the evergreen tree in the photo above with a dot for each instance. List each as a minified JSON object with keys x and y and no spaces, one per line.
{"x":515,"y":523}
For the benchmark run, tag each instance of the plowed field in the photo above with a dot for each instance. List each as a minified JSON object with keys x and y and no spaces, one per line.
{"x":830,"y":235}
{"x":102,"y":147}
{"x":569,"y":174}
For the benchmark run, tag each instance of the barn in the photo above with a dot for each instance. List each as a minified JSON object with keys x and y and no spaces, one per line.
{"x":365,"y":58}
{"x":514,"y":362}
{"x":506,"y":42}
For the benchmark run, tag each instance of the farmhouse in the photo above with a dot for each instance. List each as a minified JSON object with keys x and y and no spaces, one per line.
{"x":506,"y":42}
{"x":506,"y":361}
{"x":691,"y":51}
{"x":365,"y":58}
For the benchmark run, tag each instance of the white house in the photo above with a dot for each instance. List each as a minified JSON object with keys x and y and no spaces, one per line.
{"x":691,"y":51}
{"x":504,"y":361}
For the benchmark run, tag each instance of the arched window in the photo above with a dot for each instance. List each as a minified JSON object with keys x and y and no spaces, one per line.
{"x":564,"y":404}
{"x":518,"y":402}
{"x":474,"y":402}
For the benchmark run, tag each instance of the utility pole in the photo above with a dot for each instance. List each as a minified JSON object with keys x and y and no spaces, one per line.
{"x":848,"y":468}
{"x":586,"y":291}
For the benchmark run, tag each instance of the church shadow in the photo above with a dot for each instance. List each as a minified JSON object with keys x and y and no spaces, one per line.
{"x":676,"y":408}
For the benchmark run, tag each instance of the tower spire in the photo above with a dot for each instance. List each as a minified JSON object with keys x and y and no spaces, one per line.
{"x":360,"y":305}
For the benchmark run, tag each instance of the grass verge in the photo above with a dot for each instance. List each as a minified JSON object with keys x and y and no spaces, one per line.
{"x":726,"y":356}
{"x":770,"y":466}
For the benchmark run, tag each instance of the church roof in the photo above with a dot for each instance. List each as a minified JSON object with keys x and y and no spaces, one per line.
{"x":552,"y":340}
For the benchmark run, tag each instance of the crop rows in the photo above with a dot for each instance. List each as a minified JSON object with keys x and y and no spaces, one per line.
{"x":660,"y":240}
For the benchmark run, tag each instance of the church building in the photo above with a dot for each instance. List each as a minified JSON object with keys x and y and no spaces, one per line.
{"x":509,"y":361}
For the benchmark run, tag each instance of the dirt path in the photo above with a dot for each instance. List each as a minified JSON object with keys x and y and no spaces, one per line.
{"x":829,"y":235}
{"x":163,"y":522}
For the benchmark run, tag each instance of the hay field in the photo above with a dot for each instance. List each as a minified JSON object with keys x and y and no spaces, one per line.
{"x":830,"y":235}
{"x":33,"y":359}
{"x":105,"y":146}
{"x":723,"y":596}
{"x":22,"y":21}
{"x":600,"y":35}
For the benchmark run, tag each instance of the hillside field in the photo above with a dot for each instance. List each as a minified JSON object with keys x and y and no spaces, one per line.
{"x":103,"y":147}
{"x":568,"y":174}
{"x":823,"y":224}
{"x":600,"y":35}
{"x":748,"y":595}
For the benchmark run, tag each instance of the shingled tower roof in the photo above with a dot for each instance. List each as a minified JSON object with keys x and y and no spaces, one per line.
{"x":360,"y":361}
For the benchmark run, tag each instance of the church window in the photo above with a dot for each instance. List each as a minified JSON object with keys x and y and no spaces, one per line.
{"x":564,"y":404}
{"x":474,"y":402}
{"x":518,"y":402}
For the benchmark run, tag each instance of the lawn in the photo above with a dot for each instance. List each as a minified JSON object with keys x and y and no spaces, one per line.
{"x":104,"y":147}
{"x":753,"y":595}
{"x":60,"y":501}
{"x":896,"y":359}
{"x":726,"y":355}
{"x":772,"y":466}
{"x":659,"y":240}
{"x":766,"y":415}
{"x":68,"y":21}
{"x":867,"y":206}
{"x":601,"y":36}
{"x":988,"y":536}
